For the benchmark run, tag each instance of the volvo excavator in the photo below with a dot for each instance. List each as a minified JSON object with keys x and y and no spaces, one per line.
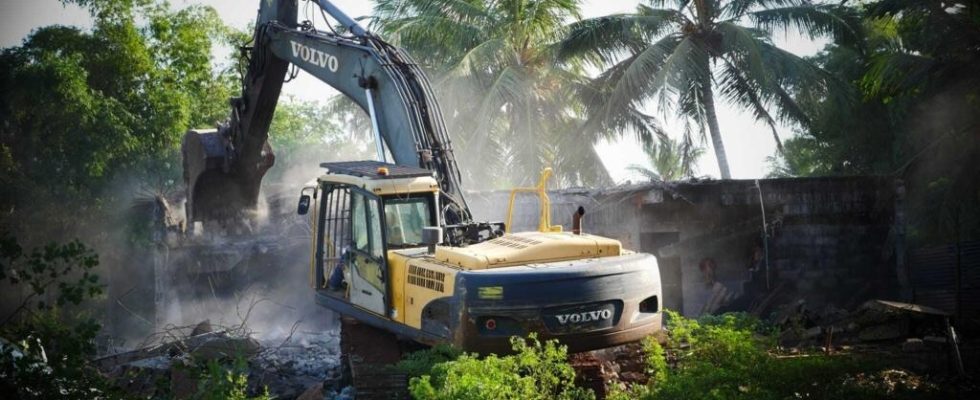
{"x":395,"y":246}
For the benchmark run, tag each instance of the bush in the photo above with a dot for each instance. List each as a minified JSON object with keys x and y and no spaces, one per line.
{"x":535,"y":371}
{"x":45,"y":351}
{"x":655,"y":359}
{"x":422,"y":362}
{"x":727,"y":357}
{"x":225,"y":382}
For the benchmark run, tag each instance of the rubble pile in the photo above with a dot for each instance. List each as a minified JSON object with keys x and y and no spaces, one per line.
{"x":305,"y":365}
{"x":303,"y":361}
{"x":917,"y":337}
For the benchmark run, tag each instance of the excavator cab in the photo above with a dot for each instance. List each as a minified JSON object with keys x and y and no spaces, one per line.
{"x":366,"y":209}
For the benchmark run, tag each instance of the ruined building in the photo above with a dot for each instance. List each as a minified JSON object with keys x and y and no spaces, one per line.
{"x":750,"y":245}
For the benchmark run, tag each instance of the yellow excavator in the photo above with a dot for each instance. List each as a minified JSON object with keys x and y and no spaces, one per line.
{"x":395,"y":246}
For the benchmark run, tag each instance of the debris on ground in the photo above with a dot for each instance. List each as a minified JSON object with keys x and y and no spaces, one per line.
{"x":307,"y":364}
{"x":304,"y":365}
{"x":917,"y":337}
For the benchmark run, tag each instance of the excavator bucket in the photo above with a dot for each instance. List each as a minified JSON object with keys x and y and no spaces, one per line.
{"x":219,"y":196}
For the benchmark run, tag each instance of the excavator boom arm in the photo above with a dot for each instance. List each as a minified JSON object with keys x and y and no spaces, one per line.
{"x":224,"y":169}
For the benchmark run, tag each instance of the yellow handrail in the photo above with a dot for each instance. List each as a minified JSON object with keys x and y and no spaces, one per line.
{"x":544,"y":219}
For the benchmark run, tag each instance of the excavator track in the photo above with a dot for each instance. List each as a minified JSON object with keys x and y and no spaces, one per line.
{"x":367,"y":354}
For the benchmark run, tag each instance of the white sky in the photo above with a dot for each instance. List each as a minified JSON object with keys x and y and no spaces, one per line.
{"x":748,"y":143}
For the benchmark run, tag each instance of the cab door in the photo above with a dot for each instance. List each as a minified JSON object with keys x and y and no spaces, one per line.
{"x":367,"y":262}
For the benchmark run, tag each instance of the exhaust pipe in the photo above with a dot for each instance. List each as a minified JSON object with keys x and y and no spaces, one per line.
{"x":432,"y":236}
{"x":577,"y":220}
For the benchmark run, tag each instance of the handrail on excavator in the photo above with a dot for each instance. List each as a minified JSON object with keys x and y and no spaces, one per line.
{"x":544,"y":218}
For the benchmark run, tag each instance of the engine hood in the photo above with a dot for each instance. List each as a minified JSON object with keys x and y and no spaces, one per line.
{"x":528,"y":248}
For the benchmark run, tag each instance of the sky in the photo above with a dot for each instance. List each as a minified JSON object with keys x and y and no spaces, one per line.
{"x":747,"y":142}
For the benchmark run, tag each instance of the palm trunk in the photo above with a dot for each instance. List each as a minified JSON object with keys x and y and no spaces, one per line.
{"x":719,"y":146}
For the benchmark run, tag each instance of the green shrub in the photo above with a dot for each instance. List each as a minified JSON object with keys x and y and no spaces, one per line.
{"x":656,"y":359}
{"x":220,"y":381}
{"x":681,"y":330}
{"x":727,"y":357}
{"x":44,"y":350}
{"x":535,"y":371}
{"x":422,"y":362}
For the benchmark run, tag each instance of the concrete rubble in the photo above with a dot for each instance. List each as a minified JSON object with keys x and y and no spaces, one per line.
{"x":916,"y":337}
{"x":305,"y":365}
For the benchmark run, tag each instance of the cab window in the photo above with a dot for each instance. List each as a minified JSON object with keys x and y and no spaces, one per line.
{"x":405,"y":218}
{"x":366,"y":225}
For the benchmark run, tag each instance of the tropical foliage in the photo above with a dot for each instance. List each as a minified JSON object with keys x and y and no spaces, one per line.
{"x":910,"y":111}
{"x":45,"y":343}
{"x":680,"y":55}
{"x":537,"y":371}
{"x":511,"y":109}
{"x":669,"y":161}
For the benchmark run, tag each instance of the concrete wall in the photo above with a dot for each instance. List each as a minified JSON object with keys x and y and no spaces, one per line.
{"x":828,"y":241}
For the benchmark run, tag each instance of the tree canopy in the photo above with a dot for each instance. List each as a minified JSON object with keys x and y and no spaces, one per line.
{"x":81,"y":107}
{"x":511,"y":108}
{"x":90,"y":118}
{"x":679,"y":55}
{"x":911,"y":112}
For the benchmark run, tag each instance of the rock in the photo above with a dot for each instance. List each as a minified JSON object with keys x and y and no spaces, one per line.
{"x":315,"y":392}
{"x":202,"y":328}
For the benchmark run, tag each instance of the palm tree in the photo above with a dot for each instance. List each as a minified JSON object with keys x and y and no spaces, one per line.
{"x":512,"y":110}
{"x":669,"y":161}
{"x":683,"y":54}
